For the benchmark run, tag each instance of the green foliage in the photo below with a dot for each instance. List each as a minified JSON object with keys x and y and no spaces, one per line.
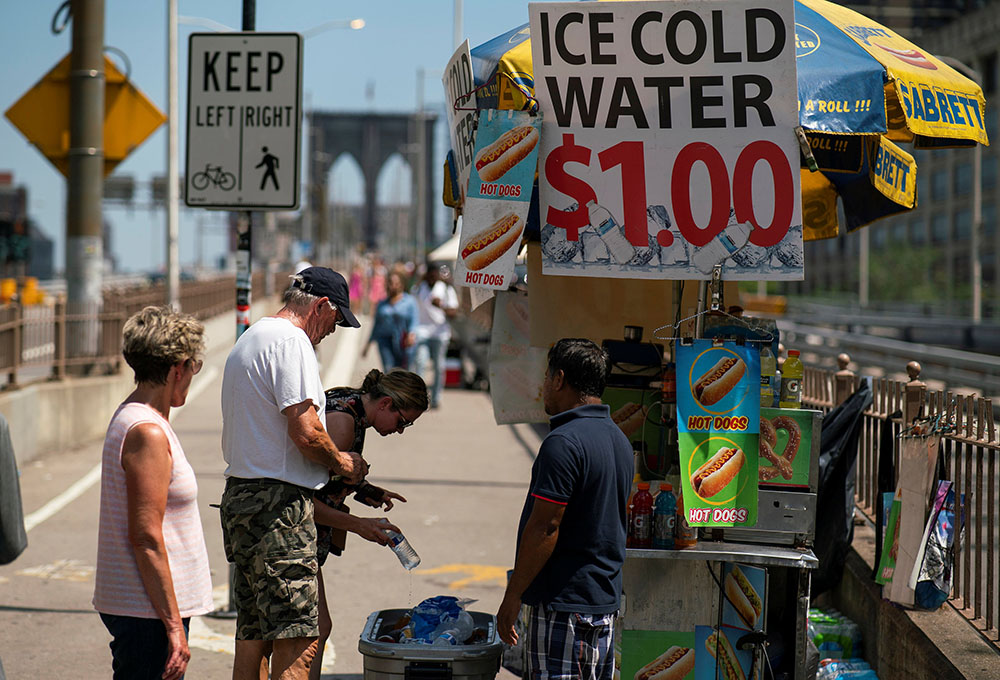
{"x":904,"y":273}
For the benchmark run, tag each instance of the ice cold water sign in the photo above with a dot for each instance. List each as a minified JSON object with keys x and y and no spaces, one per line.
{"x":667,"y":144}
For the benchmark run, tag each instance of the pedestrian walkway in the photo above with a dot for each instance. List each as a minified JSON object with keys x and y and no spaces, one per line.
{"x":464,"y":477}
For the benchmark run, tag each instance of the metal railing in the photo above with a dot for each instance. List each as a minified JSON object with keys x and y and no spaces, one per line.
{"x":33,"y":343}
{"x":969,"y":455}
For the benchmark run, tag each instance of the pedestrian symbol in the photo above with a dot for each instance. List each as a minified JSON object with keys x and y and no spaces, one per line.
{"x":270,"y":162}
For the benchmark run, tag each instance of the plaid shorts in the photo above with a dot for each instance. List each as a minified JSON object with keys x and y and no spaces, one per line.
{"x":270,"y":537}
{"x":563,"y":645}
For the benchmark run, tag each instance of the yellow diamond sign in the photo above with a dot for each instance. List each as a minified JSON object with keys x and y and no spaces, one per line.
{"x":42,"y":115}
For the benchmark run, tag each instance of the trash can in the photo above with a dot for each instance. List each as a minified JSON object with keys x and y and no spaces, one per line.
{"x":394,"y":661}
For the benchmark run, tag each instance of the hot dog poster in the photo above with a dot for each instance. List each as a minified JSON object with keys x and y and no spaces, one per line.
{"x":746,"y":601}
{"x":718,"y":420}
{"x":785,"y":447}
{"x":717,"y":657}
{"x":496,"y":206}
{"x":657,"y":655}
{"x":668,"y":142}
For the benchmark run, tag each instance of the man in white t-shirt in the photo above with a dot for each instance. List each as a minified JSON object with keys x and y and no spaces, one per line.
{"x":278,"y":453}
{"x":437,"y":302}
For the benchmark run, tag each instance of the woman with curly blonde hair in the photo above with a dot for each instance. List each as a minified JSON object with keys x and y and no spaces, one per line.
{"x":152,"y":564}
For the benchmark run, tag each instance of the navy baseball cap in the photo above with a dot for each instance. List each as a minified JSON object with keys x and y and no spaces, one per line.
{"x":324,"y":282}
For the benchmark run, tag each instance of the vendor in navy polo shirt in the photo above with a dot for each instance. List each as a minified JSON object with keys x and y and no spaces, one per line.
{"x":571,"y":538}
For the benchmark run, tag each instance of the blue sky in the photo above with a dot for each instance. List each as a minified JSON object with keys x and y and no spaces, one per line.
{"x":400,"y":36}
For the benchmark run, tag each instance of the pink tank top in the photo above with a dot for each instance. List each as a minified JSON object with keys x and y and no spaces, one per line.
{"x":119,"y":589}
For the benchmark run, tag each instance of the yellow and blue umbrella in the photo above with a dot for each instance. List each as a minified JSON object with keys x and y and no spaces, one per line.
{"x":861,"y":88}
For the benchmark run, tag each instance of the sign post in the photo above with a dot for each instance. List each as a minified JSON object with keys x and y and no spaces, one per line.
{"x":244,"y":132}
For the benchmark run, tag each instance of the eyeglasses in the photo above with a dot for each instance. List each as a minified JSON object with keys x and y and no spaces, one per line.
{"x":401,"y":423}
{"x":336,"y":312}
{"x":195,"y":365}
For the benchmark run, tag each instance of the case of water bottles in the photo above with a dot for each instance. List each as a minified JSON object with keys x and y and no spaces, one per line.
{"x":396,"y":661}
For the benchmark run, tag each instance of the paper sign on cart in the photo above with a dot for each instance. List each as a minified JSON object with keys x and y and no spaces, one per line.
{"x":496,"y":206}
{"x":668,"y":144}
{"x":718,"y":424}
{"x":459,"y":87}
{"x":745,"y":590}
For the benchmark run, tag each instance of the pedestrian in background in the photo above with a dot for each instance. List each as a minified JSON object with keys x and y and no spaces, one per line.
{"x":152,"y":564}
{"x":376,"y":283}
{"x":437,"y":303}
{"x":388,"y":403}
{"x":571,"y":537}
{"x":394,"y":327}
{"x":278,"y":455}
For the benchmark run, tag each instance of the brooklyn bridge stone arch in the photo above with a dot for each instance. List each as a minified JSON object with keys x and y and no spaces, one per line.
{"x":370,"y":138}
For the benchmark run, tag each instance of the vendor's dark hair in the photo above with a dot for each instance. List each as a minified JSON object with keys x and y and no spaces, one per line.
{"x":584,"y":365}
{"x":407,"y":390}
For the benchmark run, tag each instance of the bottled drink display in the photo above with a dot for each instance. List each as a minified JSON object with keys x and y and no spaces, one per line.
{"x":404,"y":551}
{"x":664,"y":514}
{"x":768,"y":373}
{"x":641,"y":518}
{"x":610,"y":232}
{"x":791,"y":381}
{"x":723,"y":246}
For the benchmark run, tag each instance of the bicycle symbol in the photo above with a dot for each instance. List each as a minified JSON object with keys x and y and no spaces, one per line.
{"x":214,"y":175}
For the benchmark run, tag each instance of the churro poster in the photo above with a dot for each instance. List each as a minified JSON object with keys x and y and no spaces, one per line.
{"x":501,"y":178}
{"x":718,"y":424}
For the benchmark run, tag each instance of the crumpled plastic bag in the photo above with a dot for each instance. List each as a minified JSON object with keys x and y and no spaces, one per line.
{"x":428,"y":616}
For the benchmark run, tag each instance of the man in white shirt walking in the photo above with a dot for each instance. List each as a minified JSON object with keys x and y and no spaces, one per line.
{"x":278,"y":453}
{"x":437,"y":302}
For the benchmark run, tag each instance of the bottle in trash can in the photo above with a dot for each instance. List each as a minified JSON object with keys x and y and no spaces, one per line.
{"x":404,"y":551}
{"x":610,"y":232}
{"x":791,"y":381}
{"x":664,"y":514}
{"x":641,"y":520}
{"x":768,"y":371}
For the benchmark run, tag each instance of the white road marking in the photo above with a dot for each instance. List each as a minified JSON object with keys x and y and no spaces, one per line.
{"x":63,"y":499}
{"x":93,"y":475}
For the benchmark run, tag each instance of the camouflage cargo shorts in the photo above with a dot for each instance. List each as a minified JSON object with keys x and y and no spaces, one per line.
{"x":270,"y":537}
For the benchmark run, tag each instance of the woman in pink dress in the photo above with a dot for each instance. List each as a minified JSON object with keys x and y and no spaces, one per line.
{"x":376,"y":284}
{"x":356,"y":285}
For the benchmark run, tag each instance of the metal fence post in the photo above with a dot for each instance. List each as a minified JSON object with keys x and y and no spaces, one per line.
{"x":18,"y":328}
{"x":59,"y":338}
{"x":844,"y":380}
{"x":915,"y":393}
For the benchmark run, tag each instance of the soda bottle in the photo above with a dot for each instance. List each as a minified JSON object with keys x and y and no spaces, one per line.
{"x":685,"y":535}
{"x":723,"y":246}
{"x":610,"y":232}
{"x":768,"y":370}
{"x":404,"y":551}
{"x":791,"y":381}
{"x":629,"y":541}
{"x":664,"y":514}
{"x":641,"y":524}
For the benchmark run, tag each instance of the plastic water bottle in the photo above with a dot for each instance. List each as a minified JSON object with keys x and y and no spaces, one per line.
{"x":664,"y":513}
{"x":791,"y":381}
{"x":641,"y":519}
{"x":610,"y":232}
{"x":768,"y":371}
{"x":456,"y":631}
{"x":408,"y":557}
{"x":723,"y":246}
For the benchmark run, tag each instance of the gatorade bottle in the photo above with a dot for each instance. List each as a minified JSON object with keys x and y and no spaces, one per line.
{"x":768,"y":371}
{"x":791,"y":381}
{"x":641,"y":524}
{"x":610,"y":232}
{"x":664,"y":514}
